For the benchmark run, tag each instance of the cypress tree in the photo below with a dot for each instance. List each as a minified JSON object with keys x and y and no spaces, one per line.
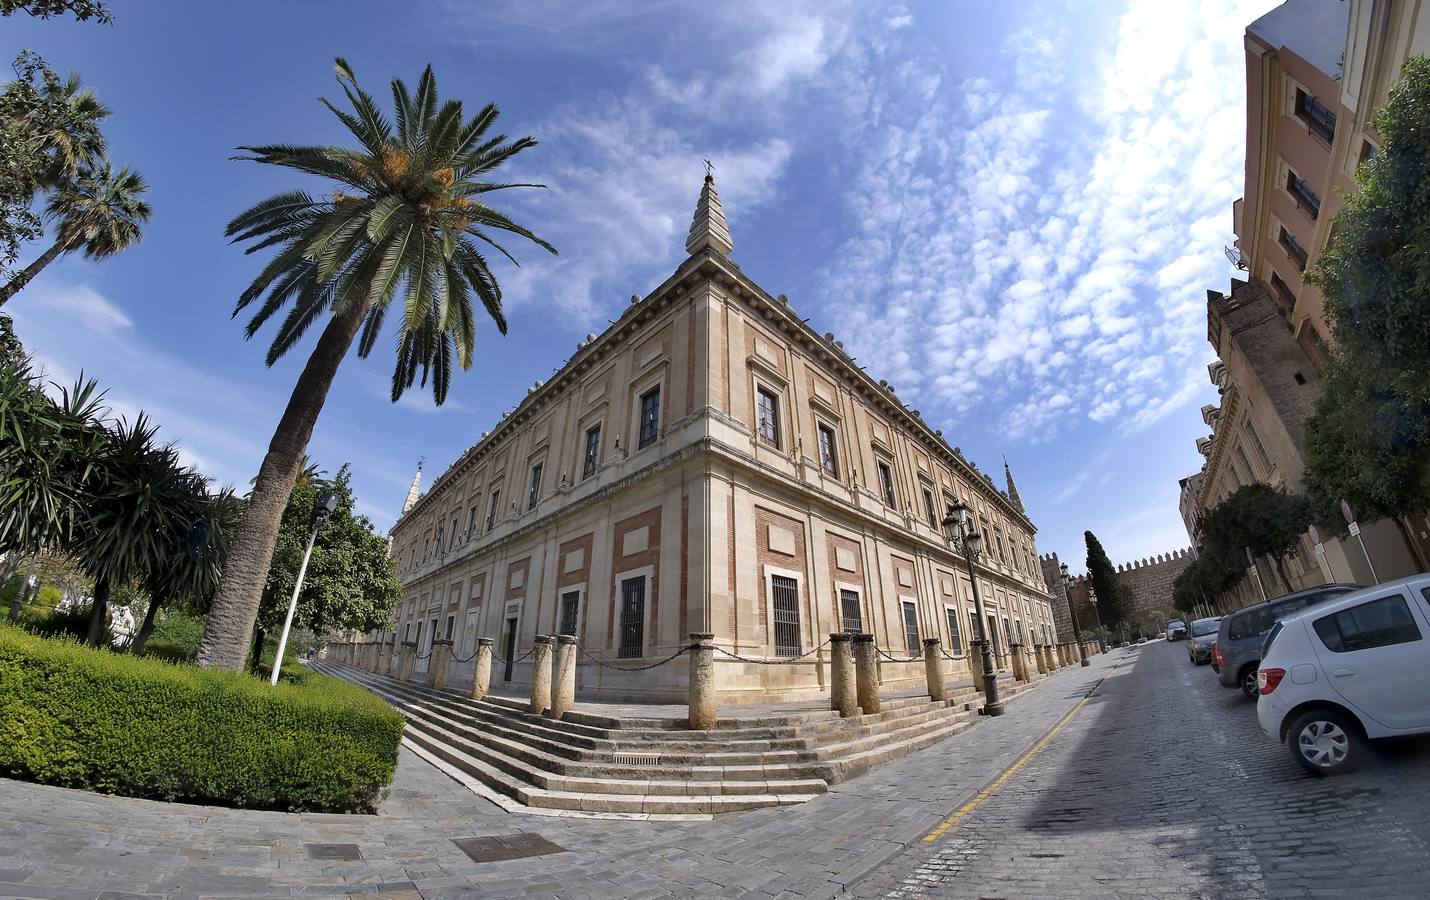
{"x":1111,"y":605}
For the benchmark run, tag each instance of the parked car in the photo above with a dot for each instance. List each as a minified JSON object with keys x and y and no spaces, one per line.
{"x":1239,"y":636}
{"x":1200,"y":638}
{"x":1176,"y":630}
{"x":1347,"y":671}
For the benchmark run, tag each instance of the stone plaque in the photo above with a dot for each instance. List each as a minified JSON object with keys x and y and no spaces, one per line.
{"x":906,"y":577}
{"x":781,"y":540}
{"x":635,"y":541}
{"x":575,"y":560}
{"x":844,"y":558}
{"x":518,"y":579}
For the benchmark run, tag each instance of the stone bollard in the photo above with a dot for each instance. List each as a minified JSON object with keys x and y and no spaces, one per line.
{"x":1038,"y":658}
{"x":540,"y":675}
{"x":563,"y":675}
{"x":1048,"y":655}
{"x":1020,"y":662}
{"x":405,"y":658}
{"x":933,"y":671}
{"x":843,"y":690}
{"x":702,"y":681}
{"x":975,"y":665}
{"x":482,"y":669}
{"x":437,"y":665}
{"x":866,"y":673}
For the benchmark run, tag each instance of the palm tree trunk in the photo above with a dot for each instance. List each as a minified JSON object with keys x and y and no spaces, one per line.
{"x":13,"y":286}
{"x":98,"y":611}
{"x":235,"y":606}
{"x":141,"y":640}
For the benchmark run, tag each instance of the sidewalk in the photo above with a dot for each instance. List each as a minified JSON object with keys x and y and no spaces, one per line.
{"x":62,"y":844}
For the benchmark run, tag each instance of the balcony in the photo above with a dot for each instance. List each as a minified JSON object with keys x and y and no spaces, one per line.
{"x":1317,"y":117}
{"x":1307,"y":200}
{"x":1293,"y":248}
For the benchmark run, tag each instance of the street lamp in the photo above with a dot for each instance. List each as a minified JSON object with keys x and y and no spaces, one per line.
{"x":1072,"y":608}
{"x":322,"y":510}
{"x":964,"y":538}
{"x":1092,"y":598}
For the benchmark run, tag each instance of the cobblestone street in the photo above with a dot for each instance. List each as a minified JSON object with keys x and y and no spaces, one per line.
{"x":1164,"y":786}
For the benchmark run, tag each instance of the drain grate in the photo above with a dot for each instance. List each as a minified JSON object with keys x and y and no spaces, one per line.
{"x":635,"y":759}
{"x":333,"y":851}
{"x":507,"y":846}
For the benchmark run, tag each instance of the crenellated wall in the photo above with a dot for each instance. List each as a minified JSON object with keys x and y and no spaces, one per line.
{"x":1147,"y":583}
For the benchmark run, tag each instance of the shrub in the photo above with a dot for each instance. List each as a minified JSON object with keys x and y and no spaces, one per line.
{"x":77,"y":717}
{"x":73,"y":622}
{"x":176,"y":637}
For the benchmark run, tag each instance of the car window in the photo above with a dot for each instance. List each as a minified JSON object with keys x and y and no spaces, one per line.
{"x":1252,"y":623}
{"x":1287,"y":607}
{"x":1377,"y":623}
{"x":1271,"y":636}
{"x":1204,"y":627}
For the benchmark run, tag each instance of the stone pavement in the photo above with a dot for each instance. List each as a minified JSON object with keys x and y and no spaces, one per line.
{"x":1163,"y":785}
{"x":57,"y":843}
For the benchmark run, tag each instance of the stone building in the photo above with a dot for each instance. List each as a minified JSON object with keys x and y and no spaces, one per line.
{"x":1316,"y":70}
{"x":1146,"y":583}
{"x":710,"y":463}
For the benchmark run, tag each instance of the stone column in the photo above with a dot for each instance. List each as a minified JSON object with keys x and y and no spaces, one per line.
{"x":1020,"y":662}
{"x":933,"y":671}
{"x":866,"y":673}
{"x":843,"y":690}
{"x":702,"y":681}
{"x":482,"y":669}
{"x":975,"y":665}
{"x":437,"y":665}
{"x":540,"y":675}
{"x":563,"y":675}
{"x":405,"y":658}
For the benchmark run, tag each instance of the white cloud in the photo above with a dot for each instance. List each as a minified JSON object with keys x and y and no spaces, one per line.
{"x":80,"y":305}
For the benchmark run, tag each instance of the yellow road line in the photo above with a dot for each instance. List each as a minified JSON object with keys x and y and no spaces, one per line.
{"x":978,"y":798}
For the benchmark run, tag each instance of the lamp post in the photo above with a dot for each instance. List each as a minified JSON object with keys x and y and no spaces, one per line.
{"x":1072,"y":608}
{"x":1092,"y":598}
{"x":323,"y":509}
{"x":964,"y":538}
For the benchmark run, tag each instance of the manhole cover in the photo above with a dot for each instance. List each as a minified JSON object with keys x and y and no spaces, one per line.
{"x":333,"y":851}
{"x":506,"y":846}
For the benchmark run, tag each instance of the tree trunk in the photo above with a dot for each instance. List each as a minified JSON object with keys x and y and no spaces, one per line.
{"x":255,"y":658}
{"x":12,"y":287}
{"x":141,"y":640}
{"x":235,"y":606}
{"x":98,"y":610}
{"x":1410,"y":543}
{"x":1281,"y":570}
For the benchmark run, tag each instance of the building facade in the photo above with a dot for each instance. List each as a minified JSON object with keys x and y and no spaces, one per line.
{"x":711,"y":464}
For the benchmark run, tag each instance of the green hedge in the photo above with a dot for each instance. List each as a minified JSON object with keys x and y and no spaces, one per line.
{"x":111,"y":722}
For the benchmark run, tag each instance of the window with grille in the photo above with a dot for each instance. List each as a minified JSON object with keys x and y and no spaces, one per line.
{"x":1318,"y":117}
{"x":632,"y":618}
{"x":929,"y":508}
{"x":407,"y":632}
{"x":451,"y":624}
{"x":784,"y":600}
{"x":472,"y":520}
{"x":849,"y":611}
{"x":1293,"y":248}
{"x":535,"y":493}
{"x":828,"y":461}
{"x":570,"y":605}
{"x":768,"y":409}
{"x":593,"y":451}
{"x":1007,"y":632}
{"x":1301,"y":192}
{"x":454,"y":532}
{"x":650,"y":418}
{"x":955,"y":640}
{"x":492,"y":512}
{"x":886,"y":484}
{"x":911,"y":629}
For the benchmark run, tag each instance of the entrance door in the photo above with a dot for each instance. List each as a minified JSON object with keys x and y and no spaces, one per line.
{"x":510,"y":647}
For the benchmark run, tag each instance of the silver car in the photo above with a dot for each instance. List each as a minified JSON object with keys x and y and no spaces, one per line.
{"x":1200,"y":638}
{"x":1239,"y":636}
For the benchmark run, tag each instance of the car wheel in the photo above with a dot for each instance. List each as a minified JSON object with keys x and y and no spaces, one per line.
{"x":1325,"y":742}
{"x":1248,"y":681}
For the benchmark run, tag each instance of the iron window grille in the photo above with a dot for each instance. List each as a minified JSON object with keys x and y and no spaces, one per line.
{"x":1293,"y":248}
{"x":784,"y":598}
{"x":593,"y":451}
{"x":929,"y":509}
{"x":1317,"y":116}
{"x":451,"y":623}
{"x":1301,"y":192}
{"x":849,"y":611}
{"x":1007,"y":632}
{"x":886,"y":484}
{"x":954,"y":638}
{"x":535,"y":493}
{"x":632,"y":618}
{"x":650,"y":418}
{"x":911,"y":629}
{"x":1286,"y":298}
{"x":492,"y":511}
{"x":769,"y":413}
{"x":454,"y":532}
{"x":570,"y":605}
{"x":827,"y":460}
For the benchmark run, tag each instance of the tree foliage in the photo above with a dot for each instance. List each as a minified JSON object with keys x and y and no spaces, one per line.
{"x":1368,"y":440}
{"x":351,"y":582}
{"x":82,"y":10}
{"x":1111,"y":604}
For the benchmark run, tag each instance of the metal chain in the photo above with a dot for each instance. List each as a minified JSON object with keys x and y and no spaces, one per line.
{"x":421,"y":656}
{"x":782,"y":661}
{"x":517,"y":660}
{"x":896,"y":658}
{"x":681,"y":652}
{"x":459,"y":659}
{"x":955,"y":657}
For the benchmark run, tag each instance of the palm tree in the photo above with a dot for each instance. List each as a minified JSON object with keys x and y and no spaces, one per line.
{"x":403,"y":223}
{"x":70,"y":135}
{"x":100,"y":213}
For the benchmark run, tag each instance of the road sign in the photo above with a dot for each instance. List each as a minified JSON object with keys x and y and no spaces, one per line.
{"x":1355,"y":528}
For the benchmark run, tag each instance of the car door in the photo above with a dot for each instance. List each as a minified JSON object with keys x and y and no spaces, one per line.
{"x":1375,"y":654}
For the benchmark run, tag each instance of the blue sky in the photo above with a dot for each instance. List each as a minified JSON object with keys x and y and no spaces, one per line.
{"x":1010,"y":211}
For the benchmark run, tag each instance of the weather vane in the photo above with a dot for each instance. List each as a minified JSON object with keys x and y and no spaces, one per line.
{"x":709,"y":168}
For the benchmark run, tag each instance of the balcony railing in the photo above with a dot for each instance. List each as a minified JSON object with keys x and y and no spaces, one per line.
{"x":1306,"y":199}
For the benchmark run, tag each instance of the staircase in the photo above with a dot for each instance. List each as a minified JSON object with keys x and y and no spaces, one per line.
{"x":594,"y":765}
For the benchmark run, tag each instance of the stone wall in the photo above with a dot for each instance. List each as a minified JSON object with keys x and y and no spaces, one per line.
{"x":1147,"y":584}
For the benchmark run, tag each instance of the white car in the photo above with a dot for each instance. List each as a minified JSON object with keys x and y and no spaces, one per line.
{"x":1348,"y":670}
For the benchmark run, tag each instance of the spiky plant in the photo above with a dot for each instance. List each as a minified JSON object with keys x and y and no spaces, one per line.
{"x":402,"y":228}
